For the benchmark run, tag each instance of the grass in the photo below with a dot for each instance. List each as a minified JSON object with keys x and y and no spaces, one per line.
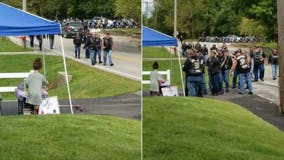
{"x":203,"y":129}
{"x":156,"y":52}
{"x":72,"y":137}
{"x":87,"y":82}
{"x":8,"y":46}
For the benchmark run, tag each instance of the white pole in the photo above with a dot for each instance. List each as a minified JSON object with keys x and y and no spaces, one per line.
{"x":43,"y":56}
{"x":177,"y":49}
{"x":66,"y":75}
{"x":24,"y":5}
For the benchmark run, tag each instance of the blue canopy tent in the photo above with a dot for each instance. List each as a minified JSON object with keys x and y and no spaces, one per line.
{"x":15,"y":22}
{"x":151,"y":37}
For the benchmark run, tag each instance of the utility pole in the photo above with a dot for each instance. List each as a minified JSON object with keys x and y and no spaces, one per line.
{"x":280,"y":15}
{"x":24,"y":5}
{"x":147,"y":9}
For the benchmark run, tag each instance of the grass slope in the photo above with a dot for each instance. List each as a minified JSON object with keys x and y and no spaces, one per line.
{"x":87,"y":82}
{"x":8,"y":46}
{"x":203,"y":129}
{"x":72,"y":137}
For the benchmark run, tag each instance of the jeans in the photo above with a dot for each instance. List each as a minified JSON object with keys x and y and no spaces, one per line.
{"x":216,"y":83}
{"x":210,"y":80}
{"x":40,"y":45}
{"x":51,"y":43}
{"x":225,"y":79}
{"x":77,"y":51}
{"x":245,"y":78}
{"x":32,"y":41}
{"x":221,"y":83}
{"x":203,"y":84}
{"x":109,"y":55}
{"x":87,"y":52}
{"x":92,"y":56}
{"x":274,"y":68}
{"x":193,"y":84}
{"x":98,"y":53}
{"x":258,"y":68}
{"x":235,"y":78}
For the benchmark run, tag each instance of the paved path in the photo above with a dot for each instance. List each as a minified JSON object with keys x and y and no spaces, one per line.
{"x":125,"y":106}
{"x":126,"y":55}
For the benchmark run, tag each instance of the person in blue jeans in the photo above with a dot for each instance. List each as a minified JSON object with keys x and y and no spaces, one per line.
{"x":213,"y":64}
{"x":258,"y":58}
{"x":107,"y":48}
{"x":193,"y":69}
{"x":226,"y":64}
{"x":273,"y":60}
{"x":90,"y":44}
{"x":77,"y":41}
{"x":98,"y":47}
{"x":243,"y":65}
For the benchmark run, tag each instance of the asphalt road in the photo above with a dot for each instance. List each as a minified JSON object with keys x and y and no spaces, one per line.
{"x":126,"y":55}
{"x":124,"y":106}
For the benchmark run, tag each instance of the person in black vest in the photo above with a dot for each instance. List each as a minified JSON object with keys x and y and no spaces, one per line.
{"x":90,"y":43}
{"x":226,"y":64}
{"x":214,"y":70}
{"x":273,"y":60}
{"x":198,"y":46}
{"x":243,"y":65}
{"x":258,"y":58}
{"x":86,"y":39}
{"x":193,"y":69}
{"x":107,"y":47}
{"x":98,"y":48}
{"x":204,"y":50}
{"x":77,"y":41}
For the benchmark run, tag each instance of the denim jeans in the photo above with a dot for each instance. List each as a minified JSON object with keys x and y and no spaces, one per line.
{"x":258,"y":68}
{"x":274,"y":68}
{"x":225,"y":79}
{"x":209,"y":80}
{"x":108,"y":54}
{"x":193,"y":84}
{"x":92,"y":56}
{"x":77,"y":51}
{"x":87,"y":52}
{"x":51,"y":43}
{"x":98,"y":53}
{"x":203,"y":84}
{"x":235,"y":78}
{"x":245,"y":78}
{"x":216,"y":83}
{"x":221,"y":82}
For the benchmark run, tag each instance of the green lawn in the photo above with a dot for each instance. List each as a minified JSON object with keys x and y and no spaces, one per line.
{"x":8,"y":46}
{"x":69,"y":137}
{"x":87,"y":82}
{"x":180,"y":128}
{"x":156,"y":52}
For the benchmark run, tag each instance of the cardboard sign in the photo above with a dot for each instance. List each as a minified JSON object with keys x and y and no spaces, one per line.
{"x":170,"y":91}
{"x":49,"y":106}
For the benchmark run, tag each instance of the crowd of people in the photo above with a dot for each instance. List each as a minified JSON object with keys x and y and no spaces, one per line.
{"x":244,"y":66}
{"x":94,"y":45}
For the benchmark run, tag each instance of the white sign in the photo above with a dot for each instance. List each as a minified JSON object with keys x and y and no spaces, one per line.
{"x":170,"y":91}
{"x":49,"y":106}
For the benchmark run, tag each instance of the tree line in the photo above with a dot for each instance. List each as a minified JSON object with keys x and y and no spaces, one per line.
{"x":82,"y":9}
{"x":197,"y":18}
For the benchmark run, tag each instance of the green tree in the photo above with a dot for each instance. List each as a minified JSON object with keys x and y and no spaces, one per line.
{"x":128,"y":9}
